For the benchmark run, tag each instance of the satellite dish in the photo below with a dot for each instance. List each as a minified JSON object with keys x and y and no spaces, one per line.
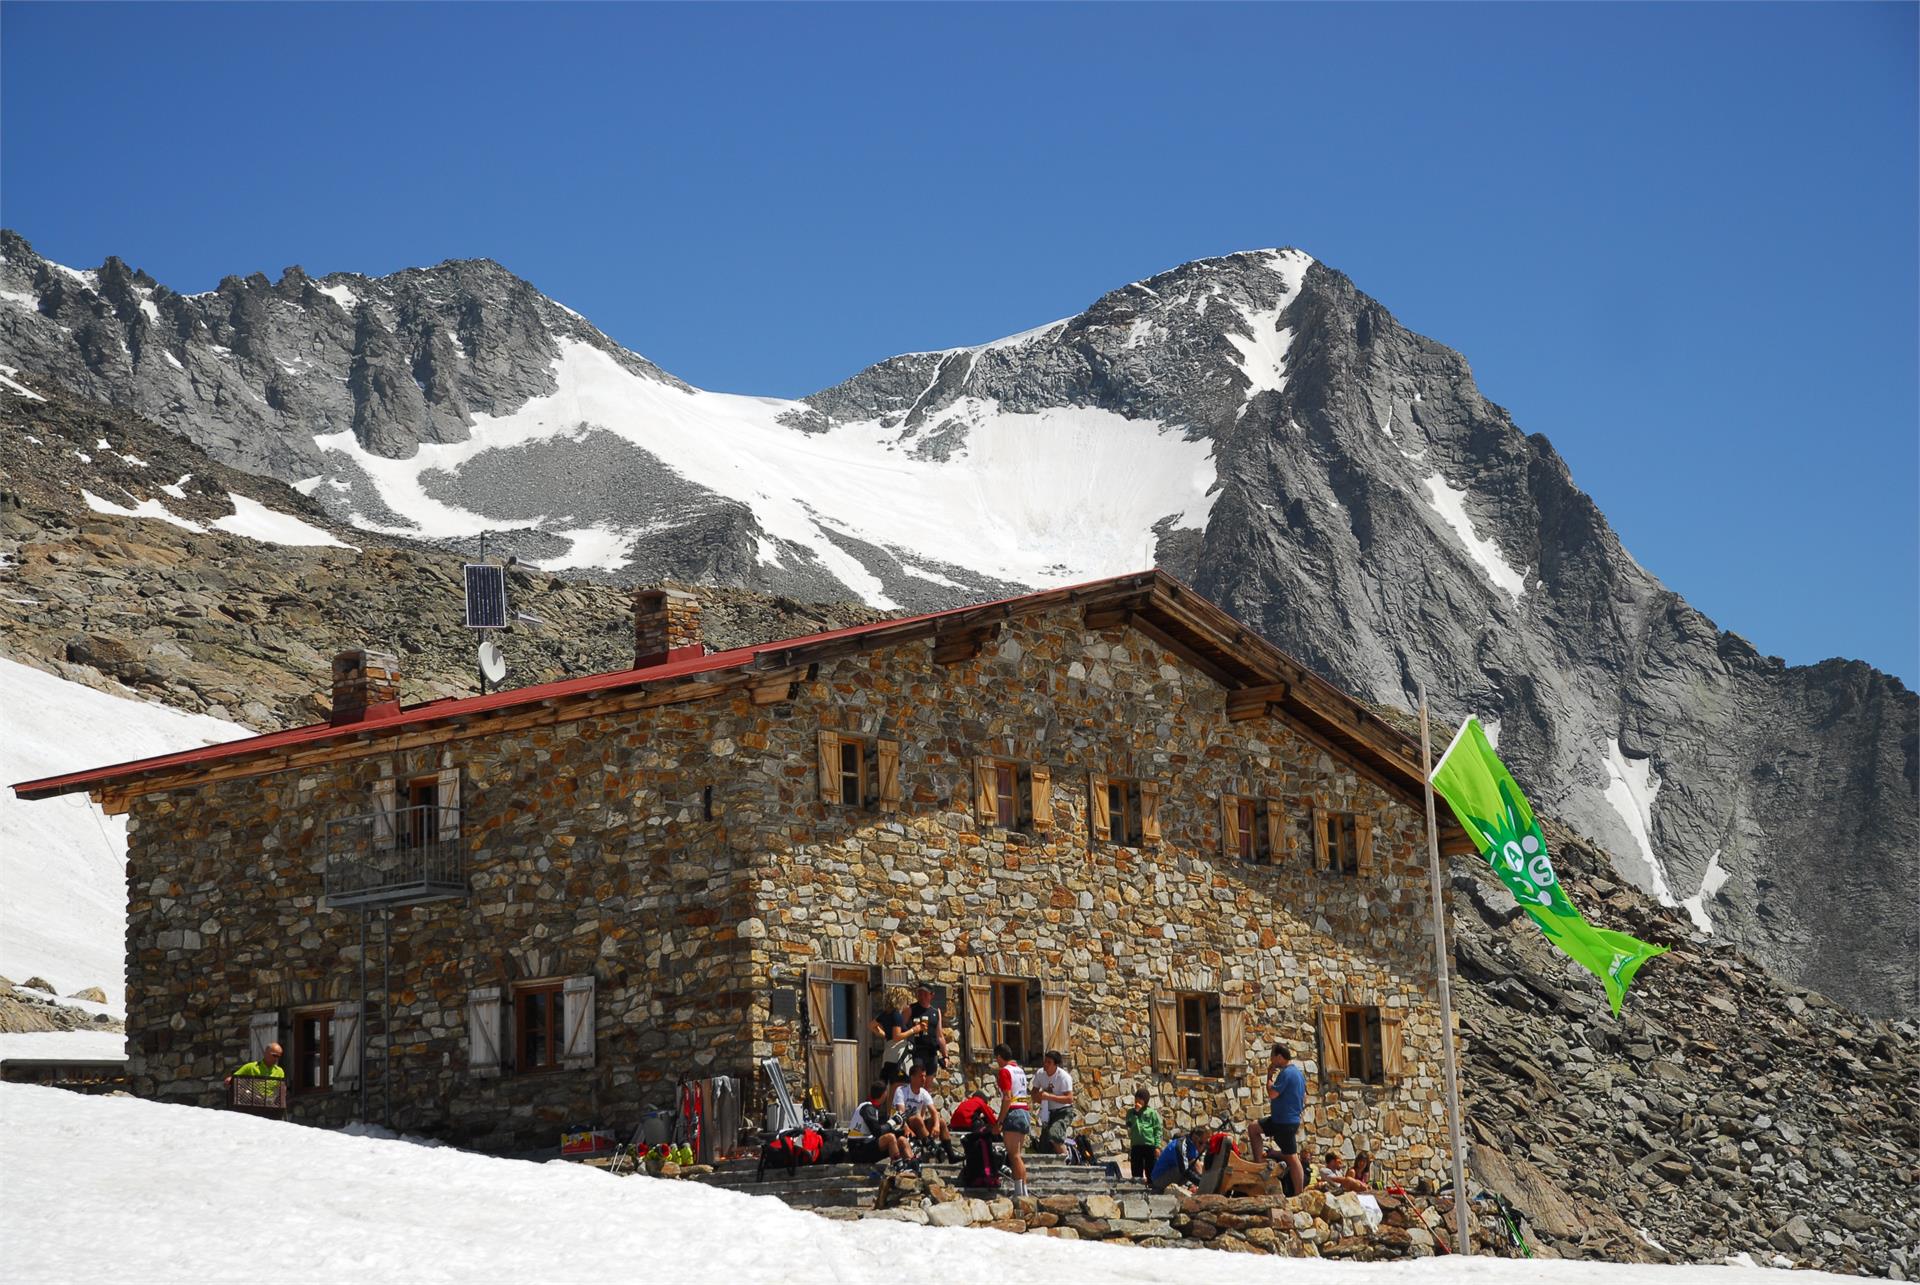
{"x":493,"y":663}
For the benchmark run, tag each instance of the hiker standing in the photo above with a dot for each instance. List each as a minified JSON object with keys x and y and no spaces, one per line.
{"x":897,"y":1030}
{"x":1144,"y":1135}
{"x":930,"y":1045}
{"x":1016,"y":1120}
{"x":1053,"y":1090}
{"x":1286,"y":1099}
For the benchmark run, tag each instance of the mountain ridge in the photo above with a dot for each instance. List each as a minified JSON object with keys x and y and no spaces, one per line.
{"x":1252,"y":422}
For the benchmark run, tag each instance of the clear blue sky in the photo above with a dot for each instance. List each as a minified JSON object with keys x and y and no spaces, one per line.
{"x":1680,"y":241}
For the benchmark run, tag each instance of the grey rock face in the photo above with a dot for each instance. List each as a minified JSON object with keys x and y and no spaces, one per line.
{"x":1371,"y":513}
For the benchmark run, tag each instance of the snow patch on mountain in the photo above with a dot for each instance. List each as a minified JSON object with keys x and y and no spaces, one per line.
{"x":341,"y":295}
{"x":63,"y":861}
{"x":15,"y":387}
{"x":255,"y":521}
{"x":1036,"y":498}
{"x":1632,"y":788}
{"x":1712,"y":879}
{"x":1450,"y":502}
{"x":1263,"y":351}
{"x":142,"y":509}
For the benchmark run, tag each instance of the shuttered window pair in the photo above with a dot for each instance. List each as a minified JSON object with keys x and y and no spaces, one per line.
{"x":1009,"y":795}
{"x":1123,"y":812}
{"x":548,"y":1025}
{"x":341,"y":1041}
{"x":429,"y":814}
{"x":1252,"y":829}
{"x":1362,"y":1043}
{"x":1029,"y":1016}
{"x":859,"y":772}
{"x":1199,"y":1033}
{"x":1342,"y":842}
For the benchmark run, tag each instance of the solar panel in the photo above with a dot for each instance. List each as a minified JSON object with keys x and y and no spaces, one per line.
{"x":486,"y":596}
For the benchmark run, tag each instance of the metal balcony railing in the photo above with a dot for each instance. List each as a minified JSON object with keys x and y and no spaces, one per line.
{"x":397,"y":856}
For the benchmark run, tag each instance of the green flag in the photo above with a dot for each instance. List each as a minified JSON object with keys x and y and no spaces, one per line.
{"x":1482,"y":793}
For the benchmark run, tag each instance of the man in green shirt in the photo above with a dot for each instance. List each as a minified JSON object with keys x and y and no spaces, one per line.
{"x":266,"y":1068}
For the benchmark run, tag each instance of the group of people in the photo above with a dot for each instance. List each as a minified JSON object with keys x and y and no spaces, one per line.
{"x":900,"y":1123}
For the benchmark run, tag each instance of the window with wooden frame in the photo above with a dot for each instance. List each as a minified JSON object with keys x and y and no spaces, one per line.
{"x":1027,"y":1016}
{"x":310,"y":1069}
{"x":859,"y":771}
{"x":1011,"y":795}
{"x":1124,"y":812}
{"x":417,"y":813}
{"x":539,"y":1022}
{"x":1199,"y":1033}
{"x":1342,"y":842}
{"x":1361,"y":1043}
{"x":1252,"y":829}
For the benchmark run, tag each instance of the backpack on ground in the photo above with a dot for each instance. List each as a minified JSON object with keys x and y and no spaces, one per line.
{"x":978,"y":1167}
{"x":791,"y":1150}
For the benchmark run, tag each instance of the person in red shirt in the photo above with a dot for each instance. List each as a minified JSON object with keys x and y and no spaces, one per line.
{"x":1016,"y":1120}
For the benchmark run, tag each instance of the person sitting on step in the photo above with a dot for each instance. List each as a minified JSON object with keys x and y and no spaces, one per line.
{"x":877,"y":1136}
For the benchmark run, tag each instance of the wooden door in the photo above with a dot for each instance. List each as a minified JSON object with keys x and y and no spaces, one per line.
{"x":850,"y":1036}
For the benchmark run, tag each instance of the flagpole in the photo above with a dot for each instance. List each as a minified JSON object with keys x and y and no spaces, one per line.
{"x":1463,"y":1241}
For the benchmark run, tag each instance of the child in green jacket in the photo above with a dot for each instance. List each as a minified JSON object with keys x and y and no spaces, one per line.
{"x":1145,"y":1133}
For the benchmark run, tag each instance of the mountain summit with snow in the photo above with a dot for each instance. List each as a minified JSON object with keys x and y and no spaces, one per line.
{"x":1253,"y":423}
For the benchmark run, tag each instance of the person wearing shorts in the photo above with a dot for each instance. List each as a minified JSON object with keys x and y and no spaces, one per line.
{"x":875,"y":1135}
{"x":1286,"y":1100}
{"x":1016,"y":1119}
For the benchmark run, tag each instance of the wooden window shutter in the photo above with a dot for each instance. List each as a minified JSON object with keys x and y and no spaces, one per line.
{"x":1229,"y":826}
{"x":384,"y":806}
{"x":1166,"y":1031}
{"x":1276,"y":830}
{"x":1393,"y":1049}
{"x":1363,"y":844}
{"x":343,"y":1036}
{"x":1149,"y":811}
{"x":889,"y":776}
{"x":1056,"y":1023}
{"x":985,"y":810}
{"x":1320,"y":854}
{"x":1097,"y":810}
{"x":1040,"y":778}
{"x":1333,"y":1045}
{"x":1233,"y":1034}
{"x":829,"y":767}
{"x":576,"y":1051}
{"x":446,"y":795}
{"x":262,"y":1029}
{"x":483,"y":1031}
{"x":977,"y":1030}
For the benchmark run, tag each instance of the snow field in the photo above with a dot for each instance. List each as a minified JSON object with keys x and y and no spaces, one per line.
{"x":63,"y":861}
{"x":1631,"y":789}
{"x":194,"y":1195}
{"x":1450,"y":502}
{"x":1039,"y":499}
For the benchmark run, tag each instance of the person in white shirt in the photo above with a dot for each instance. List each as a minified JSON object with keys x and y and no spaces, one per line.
{"x":1053,"y":1090}
{"x":913,"y":1102}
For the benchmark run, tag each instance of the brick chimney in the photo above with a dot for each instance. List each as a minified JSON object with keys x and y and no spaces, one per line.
{"x":666,"y":626}
{"x":366,"y":684}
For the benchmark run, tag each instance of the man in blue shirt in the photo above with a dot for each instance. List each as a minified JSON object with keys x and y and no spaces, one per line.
{"x":1286,"y":1099}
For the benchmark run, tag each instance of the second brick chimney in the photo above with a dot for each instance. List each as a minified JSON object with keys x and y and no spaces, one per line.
{"x":666,"y":626}
{"x":366,"y":684}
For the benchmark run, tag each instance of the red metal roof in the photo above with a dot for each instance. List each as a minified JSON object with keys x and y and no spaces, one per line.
{"x":447,"y":708}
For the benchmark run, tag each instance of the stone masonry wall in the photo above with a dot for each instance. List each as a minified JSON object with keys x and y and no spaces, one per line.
{"x":930,"y":893}
{"x":588,"y":853}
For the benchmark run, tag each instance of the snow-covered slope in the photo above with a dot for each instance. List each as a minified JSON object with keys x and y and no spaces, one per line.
{"x":63,"y":892}
{"x":207,"y":1196}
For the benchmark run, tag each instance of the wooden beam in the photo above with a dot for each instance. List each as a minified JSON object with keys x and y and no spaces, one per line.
{"x":1254,"y":702}
{"x":1097,"y":619}
{"x":950,"y":646}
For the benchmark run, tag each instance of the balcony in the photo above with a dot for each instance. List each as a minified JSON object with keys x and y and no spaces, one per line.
{"x":395,"y":857}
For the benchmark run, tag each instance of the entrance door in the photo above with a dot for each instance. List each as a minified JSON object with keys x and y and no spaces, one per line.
{"x":849,"y":1042}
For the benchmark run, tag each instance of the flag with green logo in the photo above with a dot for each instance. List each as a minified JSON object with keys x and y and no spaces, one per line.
{"x":1482,"y":793}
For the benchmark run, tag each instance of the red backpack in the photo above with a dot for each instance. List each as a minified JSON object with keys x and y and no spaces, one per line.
{"x":792,"y":1149}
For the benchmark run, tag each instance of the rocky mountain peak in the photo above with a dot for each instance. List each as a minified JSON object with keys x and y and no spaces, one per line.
{"x":1253,"y":423}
